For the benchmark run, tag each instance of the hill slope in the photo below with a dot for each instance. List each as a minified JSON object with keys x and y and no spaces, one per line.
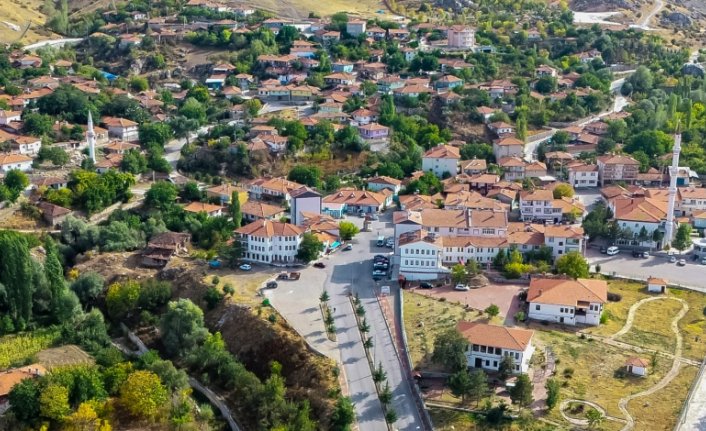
{"x":14,"y":17}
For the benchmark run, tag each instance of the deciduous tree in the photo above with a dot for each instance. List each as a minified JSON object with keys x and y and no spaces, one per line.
{"x":143,"y":394}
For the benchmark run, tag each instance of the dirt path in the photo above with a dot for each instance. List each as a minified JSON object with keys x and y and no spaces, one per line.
{"x":644,"y":22}
{"x":673,"y":372}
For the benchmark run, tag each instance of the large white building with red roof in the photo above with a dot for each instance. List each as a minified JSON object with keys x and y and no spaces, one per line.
{"x":567,"y":301}
{"x":268,"y":241}
{"x":489,"y":344}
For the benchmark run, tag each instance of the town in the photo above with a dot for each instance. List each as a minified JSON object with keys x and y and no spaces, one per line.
{"x":216,"y":217}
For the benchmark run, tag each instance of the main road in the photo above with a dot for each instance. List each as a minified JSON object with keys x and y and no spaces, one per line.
{"x":349,"y":273}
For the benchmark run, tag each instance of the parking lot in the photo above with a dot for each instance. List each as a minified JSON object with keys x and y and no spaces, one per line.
{"x":693,"y":274}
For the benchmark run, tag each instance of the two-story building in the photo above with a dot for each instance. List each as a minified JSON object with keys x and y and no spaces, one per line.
{"x":538,"y":204}
{"x":567,"y":301}
{"x":9,"y":162}
{"x":508,"y":147}
{"x":460,"y":37}
{"x":420,"y":256}
{"x":612,"y":167}
{"x":268,"y":241}
{"x":441,"y":160}
{"x":583,"y":175}
{"x":489,"y":344}
{"x":383,"y":182}
{"x":563,"y":239}
{"x":349,"y":200}
{"x":121,"y":128}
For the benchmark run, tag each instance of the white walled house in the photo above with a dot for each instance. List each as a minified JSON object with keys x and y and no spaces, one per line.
{"x":461,"y":249}
{"x":440,"y":160}
{"x":489,"y":344}
{"x":9,"y":162}
{"x":583,"y":175}
{"x":567,"y":301}
{"x":657,"y":285}
{"x":304,"y":200}
{"x":267,"y":241}
{"x":563,"y":239}
{"x":122,"y":128}
{"x":538,"y":205}
{"x":691,"y":200}
{"x":420,"y":256}
{"x":638,"y":213}
{"x":376,"y":184}
{"x":636,"y":366}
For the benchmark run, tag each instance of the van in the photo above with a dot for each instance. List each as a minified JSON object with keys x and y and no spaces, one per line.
{"x":381,"y":241}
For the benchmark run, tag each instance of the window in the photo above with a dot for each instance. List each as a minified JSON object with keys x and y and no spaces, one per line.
{"x":482,"y":349}
{"x":475,"y":347}
{"x":517,"y":355}
{"x":536,"y":307}
{"x":517,"y":368}
{"x":487,"y":362}
{"x":495,"y":364}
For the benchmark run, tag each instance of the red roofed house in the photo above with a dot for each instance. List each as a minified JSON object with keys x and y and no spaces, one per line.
{"x":636,"y":366}
{"x":657,"y":285}
{"x":198,"y":207}
{"x":442,"y":159}
{"x":269,"y":241}
{"x":567,"y":301}
{"x":121,"y":128}
{"x":489,"y":344}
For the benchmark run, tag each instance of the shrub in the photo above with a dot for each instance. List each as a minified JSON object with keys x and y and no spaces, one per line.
{"x":522,"y":296}
{"x":614,"y":297}
{"x":598,"y":268}
{"x":212,"y":297}
{"x":520,"y":316}
{"x":568,"y":373}
{"x":272,"y":318}
{"x":604,"y":318}
{"x":215,"y":280}
{"x":228,"y":289}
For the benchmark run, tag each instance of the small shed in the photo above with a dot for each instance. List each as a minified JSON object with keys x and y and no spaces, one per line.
{"x":656,"y":285}
{"x":636,"y":366}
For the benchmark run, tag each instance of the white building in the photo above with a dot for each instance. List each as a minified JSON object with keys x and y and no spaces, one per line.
{"x":376,"y":184}
{"x":563,"y":239}
{"x":461,"y":37}
{"x":690,"y":200}
{"x":267,"y":241}
{"x":420,"y":256}
{"x":9,"y":162}
{"x":489,"y":344}
{"x":640,"y":213}
{"x":461,"y":249}
{"x":539,"y":205}
{"x":583,"y":175}
{"x":636,"y":366}
{"x":355,"y":27}
{"x":304,"y":200}
{"x":122,"y":128}
{"x":657,"y":285}
{"x":440,"y":160}
{"x":567,"y":301}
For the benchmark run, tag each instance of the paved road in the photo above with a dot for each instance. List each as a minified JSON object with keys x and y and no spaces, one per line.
{"x":172,"y":150}
{"x":349,"y":272}
{"x":52,"y":42}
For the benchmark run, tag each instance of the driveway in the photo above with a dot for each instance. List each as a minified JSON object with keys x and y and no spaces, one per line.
{"x":505,"y":296}
{"x":349,"y":272}
{"x":692,"y":275}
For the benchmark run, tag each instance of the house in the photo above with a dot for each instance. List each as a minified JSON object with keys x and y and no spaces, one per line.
{"x":617,"y":167}
{"x":349,"y":200}
{"x":486,"y":112}
{"x":304,"y":200}
{"x":163,"y":246}
{"x":53,"y":214}
{"x":442,"y":160}
{"x":691,"y":200}
{"x":111,"y":161}
{"x":224,"y":192}
{"x":355,"y":27}
{"x":489,"y":344}
{"x":216,"y":81}
{"x":448,"y":82}
{"x":382,"y":182}
{"x":474,"y":167}
{"x":657,"y":285}
{"x":363,"y":116}
{"x":567,"y":301}
{"x":538,"y":204}
{"x":121,"y":128}
{"x":513,"y":168}
{"x":26,"y":145}
{"x":12,"y":377}
{"x":563,"y":239}
{"x":583,"y":175}
{"x":277,"y":189}
{"x":9,"y":162}
{"x":339,"y":78}
{"x":545,"y":70}
{"x":342,"y":66}
{"x":373,"y":131}
{"x":460,"y":37}
{"x":642,"y":216}
{"x":501,"y":129}
{"x":508,"y":147}
{"x":268,"y":241}
{"x":256,"y":210}
{"x":119,"y":147}
{"x":7,"y":117}
{"x":420,"y":256}
{"x":636,"y":366}
{"x":199,"y":207}
{"x":55,"y":183}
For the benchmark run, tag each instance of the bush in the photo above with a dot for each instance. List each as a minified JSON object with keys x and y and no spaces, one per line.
{"x":604,"y":318}
{"x":568,"y":373}
{"x":215,"y":280}
{"x":598,"y":268}
{"x":520,"y":316}
{"x":614,"y":297}
{"x":212,"y":297}
{"x":522,"y":296}
{"x":228,"y":289}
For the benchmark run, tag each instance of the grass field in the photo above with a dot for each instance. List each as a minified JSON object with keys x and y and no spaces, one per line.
{"x":425,"y":318}
{"x":659,"y":411}
{"x":301,"y":8}
{"x":16,"y":350}
{"x":246,"y":285}
{"x":63,"y":356}
{"x":19,"y":13}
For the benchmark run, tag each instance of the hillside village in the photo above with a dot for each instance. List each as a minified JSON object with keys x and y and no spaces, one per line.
{"x":511,"y":165}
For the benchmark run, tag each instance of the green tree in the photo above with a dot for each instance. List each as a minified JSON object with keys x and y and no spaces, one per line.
{"x":478,"y":385}
{"x":24,"y":400}
{"x":62,"y":197}
{"x":449,"y":348}
{"x":16,"y":271}
{"x":54,"y":273}
{"x":460,"y":384}
{"x":506,"y":368}
{"x":134,"y":162}
{"x":182,"y":327}
{"x":54,"y":402}
{"x":155,"y":134}
{"x":121,"y":298}
{"x":492,"y":310}
{"x":200,"y":93}
{"x":36,"y":124}
{"x":343,"y":415}
{"x":594,"y":418}
{"x":573,"y":264}
{"x":161,"y":195}
{"x":16,"y":182}
{"x":521,"y":393}
{"x":388,"y":113}
{"x":682,"y":239}
{"x":253,"y":107}
{"x":458,"y":273}
{"x":143,"y":394}
{"x":193,"y":109}
{"x":139,"y":84}
{"x":347,"y":230}
{"x":563,"y":190}
{"x":553,"y":393}
{"x":235,"y":211}
{"x":307,"y":175}
{"x":154,"y":294}
{"x":309,"y":248}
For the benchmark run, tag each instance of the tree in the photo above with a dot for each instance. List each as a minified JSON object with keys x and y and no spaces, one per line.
{"x":594,"y":418}
{"x":154,"y":294}
{"x":460,"y":384}
{"x":235,"y":211}
{"x":253,"y":107}
{"x":24,"y":400}
{"x":682,"y":239}
{"x":307,"y":175}
{"x":506,"y":368}
{"x":347,"y":230}
{"x":449,"y":350}
{"x":16,"y":273}
{"x":191,"y":191}
{"x":641,"y":80}
{"x":379,"y":375}
{"x":388,"y":114}
{"x":37,"y":124}
{"x":546,"y":84}
{"x":458,"y":273}
{"x":152,"y":134}
{"x":521,"y":393}
{"x":492,"y":310}
{"x":134,"y":162}
{"x":563,"y":190}
{"x":54,"y":402}
{"x":343,"y":415}
{"x":16,"y":182}
{"x":161,"y":195}
{"x":553,"y":393}
{"x":478,"y":385}
{"x":139,"y":84}
{"x":193,"y":109}
{"x":122,"y":298}
{"x":182,"y":327}
{"x":572,"y":264}
{"x":143,"y":394}
{"x":84,"y":418}
{"x":309,"y":248}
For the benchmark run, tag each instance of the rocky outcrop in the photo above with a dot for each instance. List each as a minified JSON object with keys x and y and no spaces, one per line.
{"x":601,"y":5}
{"x":676,"y":19}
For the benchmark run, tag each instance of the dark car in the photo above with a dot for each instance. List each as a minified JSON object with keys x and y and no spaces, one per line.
{"x":380,"y":257}
{"x":636,"y":253}
{"x":604,"y":249}
{"x":319,"y":265}
{"x":425,"y":285}
{"x":271,"y":285}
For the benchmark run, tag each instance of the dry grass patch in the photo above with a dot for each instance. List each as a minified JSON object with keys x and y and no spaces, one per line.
{"x":246,"y":284}
{"x":617,"y":312}
{"x":652,"y":325}
{"x":447,"y":420}
{"x":63,"y":356}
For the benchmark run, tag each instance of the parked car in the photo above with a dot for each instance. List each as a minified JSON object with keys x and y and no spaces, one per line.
{"x":462,"y":287}
{"x":604,"y":249}
{"x":246,"y":267}
{"x":390,"y":243}
{"x":703,"y":261}
{"x":348,"y":247}
{"x":271,"y":285}
{"x":672,"y":259}
{"x":642,"y":254}
{"x":361,"y":213}
{"x":612,"y":251}
{"x":380,"y":258}
{"x":681,"y":262}
{"x":381,"y":241}
{"x":378,"y":274}
{"x":425,"y":285}
{"x":319,"y":265}
{"x":289,"y":276}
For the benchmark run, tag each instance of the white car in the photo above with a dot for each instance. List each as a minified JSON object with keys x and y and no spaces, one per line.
{"x":612,"y":251}
{"x":462,"y":287}
{"x":246,"y":267}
